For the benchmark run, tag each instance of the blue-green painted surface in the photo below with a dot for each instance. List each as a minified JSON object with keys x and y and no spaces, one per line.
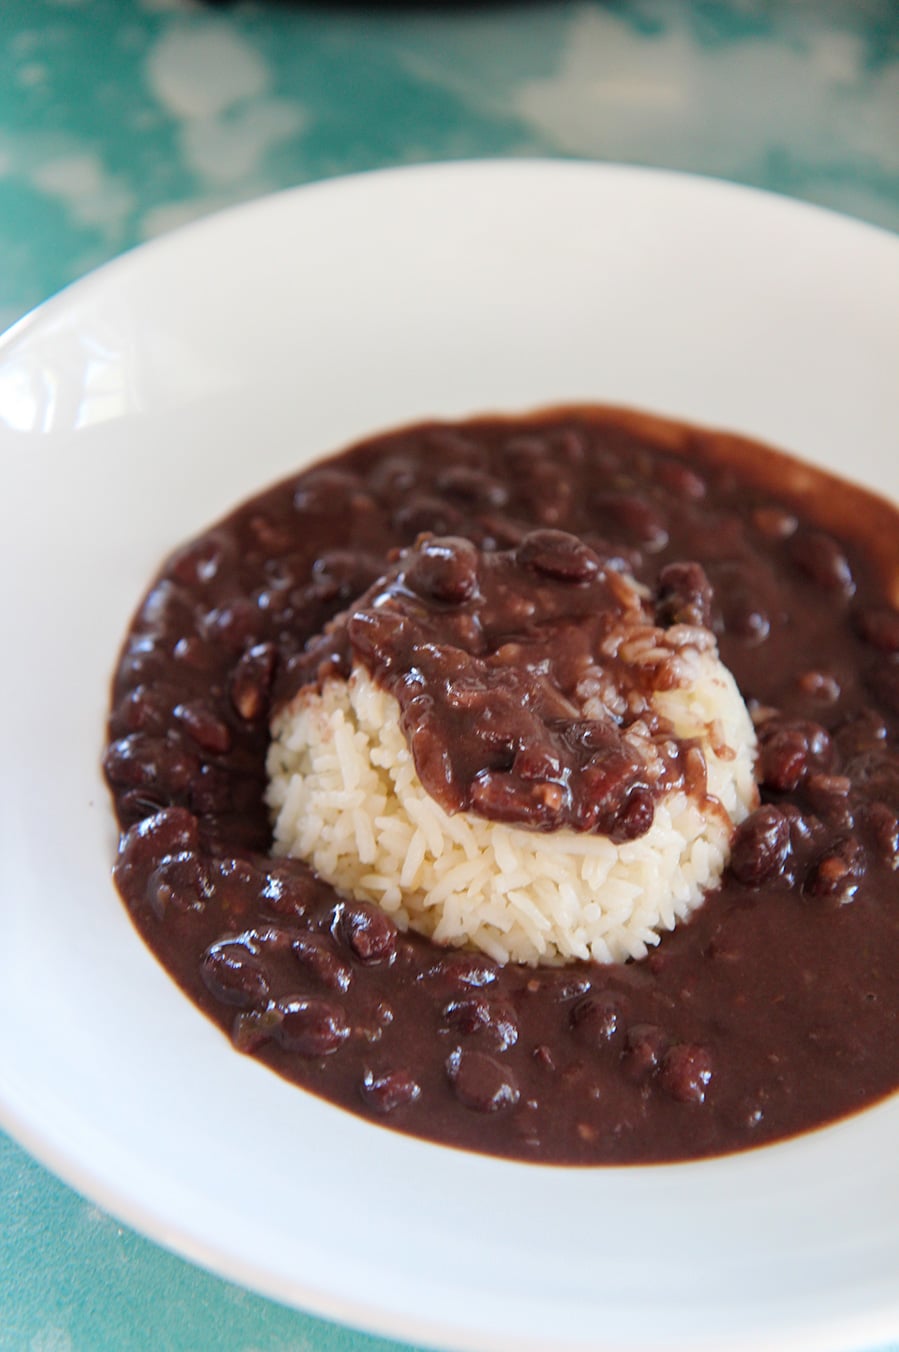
{"x":120,"y":119}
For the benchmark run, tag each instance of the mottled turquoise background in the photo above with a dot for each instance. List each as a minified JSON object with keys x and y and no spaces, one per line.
{"x":120,"y":119}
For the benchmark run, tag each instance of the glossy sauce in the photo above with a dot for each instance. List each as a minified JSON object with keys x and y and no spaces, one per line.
{"x":495,"y":657}
{"x":774,"y":1010}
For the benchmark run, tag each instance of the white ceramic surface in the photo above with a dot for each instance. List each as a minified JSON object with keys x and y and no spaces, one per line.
{"x":153,"y":395}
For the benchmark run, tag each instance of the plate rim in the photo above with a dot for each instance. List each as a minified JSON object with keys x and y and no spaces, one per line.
{"x":28,"y":330}
{"x":45,"y":309}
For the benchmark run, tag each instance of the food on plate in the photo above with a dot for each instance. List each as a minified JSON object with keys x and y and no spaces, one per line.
{"x":471,"y":673}
{"x":584,"y":764}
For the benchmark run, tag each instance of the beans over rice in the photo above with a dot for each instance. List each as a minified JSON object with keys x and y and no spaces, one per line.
{"x":347,"y":798}
{"x":486,"y":654}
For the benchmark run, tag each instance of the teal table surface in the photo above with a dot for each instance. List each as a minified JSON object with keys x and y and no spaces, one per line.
{"x":122,"y":119}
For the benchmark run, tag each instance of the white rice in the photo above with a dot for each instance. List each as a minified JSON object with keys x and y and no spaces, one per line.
{"x":345,"y":797}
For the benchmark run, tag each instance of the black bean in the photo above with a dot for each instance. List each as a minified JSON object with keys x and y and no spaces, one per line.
{"x":468,"y":1015}
{"x":270,"y":536}
{"x":212,"y":790}
{"x":238,"y":885}
{"x":606,"y":786}
{"x":590,"y":734}
{"x":199,"y":562}
{"x":681,"y":480}
{"x":145,"y":709}
{"x":277,"y":605}
{"x":596,"y":1019}
{"x":389,"y":1090}
{"x":445,"y":569}
{"x":750,"y":1113}
{"x":423,"y":513}
{"x":537,"y":762}
{"x":803,"y":828}
{"x":686,"y":1072}
{"x":135,"y":804}
{"x":204,"y":727}
{"x":319,"y":960}
{"x":173,"y":831}
{"x":537,"y":479}
{"x":684,"y":595}
{"x":168,"y":609}
{"x":393,"y":476}
{"x":377,"y":635}
{"x":494,"y":1020}
{"x":760,"y":846}
{"x":480,"y":1083}
{"x":237,"y":625}
{"x":789,"y":750}
{"x":269,"y":938}
{"x":143,"y":663}
{"x":744,"y":619}
{"x":632,"y":518}
{"x":834,"y":878}
{"x":876,"y":773}
{"x":568,"y":986}
{"x":881,"y":825}
{"x":180,"y":883}
{"x":635,"y":816}
{"x":344,"y":574}
{"x":472,"y":486}
{"x":879,"y":626}
{"x":327,"y":492}
{"x":194,"y":653}
{"x":865,"y":732}
{"x":646,"y":1045}
{"x":234,"y":975}
{"x":819,"y":686}
{"x":494,"y":531}
{"x":160,"y":763}
{"x":775,"y":523}
{"x":821,"y":559}
{"x":465,"y":971}
{"x":505,"y":798}
{"x":500,"y":725}
{"x":287,"y":892}
{"x":558,"y":555}
{"x":826,"y":793}
{"x":310,"y":1026}
{"x":367,"y":932}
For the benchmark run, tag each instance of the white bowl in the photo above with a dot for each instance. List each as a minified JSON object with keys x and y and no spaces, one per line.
{"x":152,"y":396}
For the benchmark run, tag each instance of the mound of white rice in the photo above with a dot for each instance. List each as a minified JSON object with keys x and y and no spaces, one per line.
{"x":345,"y":797}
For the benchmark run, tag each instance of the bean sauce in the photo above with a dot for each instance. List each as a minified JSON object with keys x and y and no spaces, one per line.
{"x":525,"y":679}
{"x":775,"y":1009}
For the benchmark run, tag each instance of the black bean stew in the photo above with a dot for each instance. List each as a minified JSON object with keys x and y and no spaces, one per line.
{"x":774,"y":1010}
{"x":525,"y":678}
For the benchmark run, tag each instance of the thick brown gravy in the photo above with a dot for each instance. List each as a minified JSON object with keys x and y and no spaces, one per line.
{"x":774,"y":1010}
{"x":490,"y":655}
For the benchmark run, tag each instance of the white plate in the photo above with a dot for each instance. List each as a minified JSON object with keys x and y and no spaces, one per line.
{"x":152,"y":396}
